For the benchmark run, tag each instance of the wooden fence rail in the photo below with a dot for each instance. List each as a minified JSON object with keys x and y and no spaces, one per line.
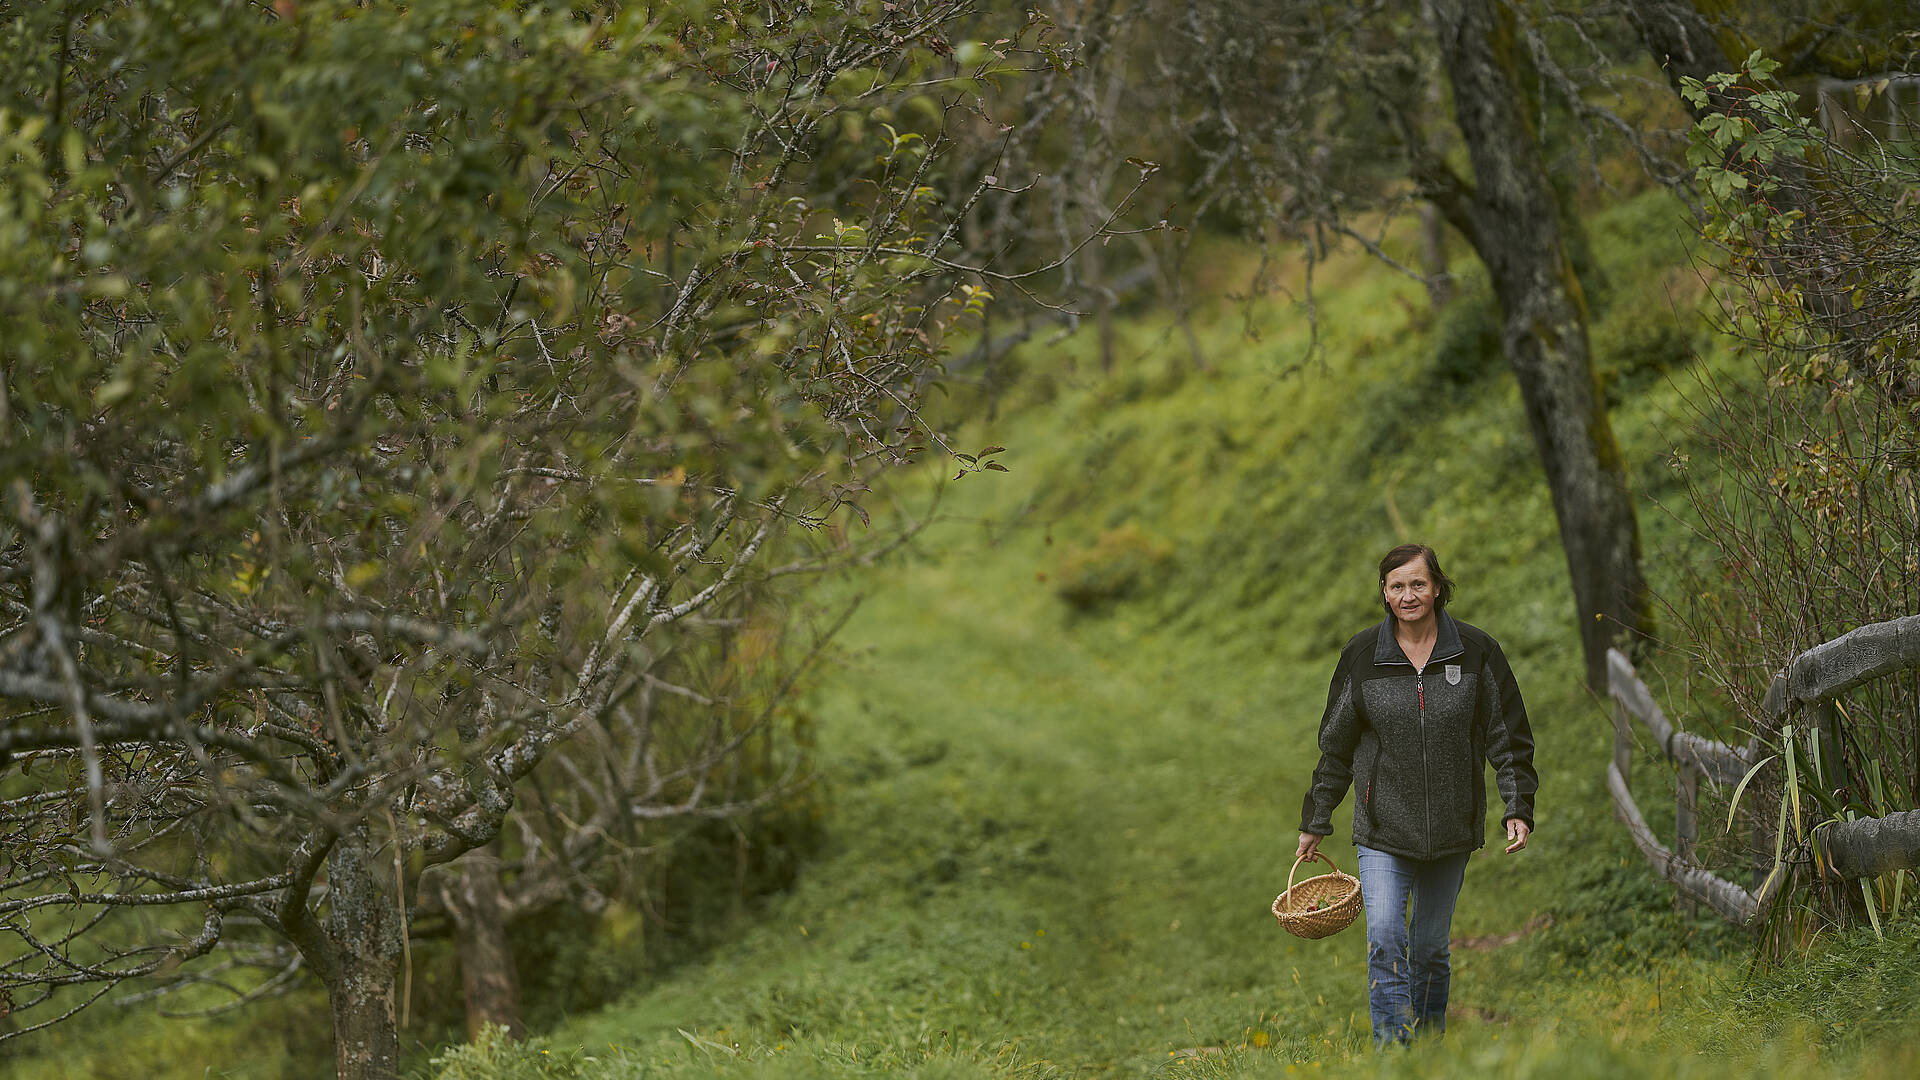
{"x":1693,"y":757}
{"x":1858,"y":656}
{"x":1871,"y":846}
{"x":1813,"y":682}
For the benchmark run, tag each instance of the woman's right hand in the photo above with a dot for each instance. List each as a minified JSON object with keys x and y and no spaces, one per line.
{"x":1309,"y":845}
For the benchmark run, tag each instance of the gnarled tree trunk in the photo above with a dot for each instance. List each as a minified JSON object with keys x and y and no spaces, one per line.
{"x":1433,"y":223}
{"x":363,"y":928}
{"x":1510,"y":216}
{"x":478,"y":904}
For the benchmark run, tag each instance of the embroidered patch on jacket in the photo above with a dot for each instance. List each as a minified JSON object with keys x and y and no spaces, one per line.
{"x":1453,"y":674}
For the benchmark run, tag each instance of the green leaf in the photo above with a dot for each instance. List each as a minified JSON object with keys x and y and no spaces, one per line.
{"x":1793,"y":779}
{"x":1741,"y":788}
{"x":1780,"y":840}
{"x":114,"y":392}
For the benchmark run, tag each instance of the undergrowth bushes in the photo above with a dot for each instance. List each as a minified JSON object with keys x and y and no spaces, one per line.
{"x":1466,"y":340}
{"x":1118,"y":563}
{"x":1855,"y":987}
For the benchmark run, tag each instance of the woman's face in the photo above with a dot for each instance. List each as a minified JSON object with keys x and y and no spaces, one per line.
{"x":1408,"y":591}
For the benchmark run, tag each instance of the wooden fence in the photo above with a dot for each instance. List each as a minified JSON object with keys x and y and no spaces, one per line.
{"x":1812,"y":683}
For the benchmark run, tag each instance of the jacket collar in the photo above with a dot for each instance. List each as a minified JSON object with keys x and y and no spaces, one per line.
{"x":1446,"y":646}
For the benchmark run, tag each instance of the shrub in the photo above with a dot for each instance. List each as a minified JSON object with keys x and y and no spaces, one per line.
{"x":1466,"y":342}
{"x":1638,"y":352}
{"x":495,"y":1056}
{"x":1093,"y":579}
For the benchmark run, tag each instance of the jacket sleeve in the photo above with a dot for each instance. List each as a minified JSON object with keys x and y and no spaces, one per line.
{"x":1339,"y":734}
{"x":1510,"y":741}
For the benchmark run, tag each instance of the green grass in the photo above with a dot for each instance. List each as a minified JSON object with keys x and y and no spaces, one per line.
{"x":1055,"y":830}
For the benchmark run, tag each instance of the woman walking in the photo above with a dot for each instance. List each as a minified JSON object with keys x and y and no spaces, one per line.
{"x":1418,"y":702}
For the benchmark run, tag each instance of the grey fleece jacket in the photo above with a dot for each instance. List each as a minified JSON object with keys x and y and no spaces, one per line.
{"x":1411,"y":743}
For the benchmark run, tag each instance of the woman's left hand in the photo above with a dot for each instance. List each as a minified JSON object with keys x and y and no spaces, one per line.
{"x":1517,"y":831}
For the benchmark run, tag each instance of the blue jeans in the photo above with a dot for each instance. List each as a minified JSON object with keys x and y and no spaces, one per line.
{"x":1409,"y":915}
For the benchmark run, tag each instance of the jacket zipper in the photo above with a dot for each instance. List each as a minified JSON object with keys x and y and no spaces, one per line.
{"x":1426,"y":774}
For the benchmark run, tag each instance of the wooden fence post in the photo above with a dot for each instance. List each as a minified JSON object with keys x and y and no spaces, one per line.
{"x":1759,"y":827}
{"x":1622,"y":740}
{"x":1687,"y":785}
{"x":1826,"y":727}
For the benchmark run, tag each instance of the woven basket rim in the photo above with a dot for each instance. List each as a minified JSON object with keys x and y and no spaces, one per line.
{"x":1351,"y":888}
{"x":1332,"y":918}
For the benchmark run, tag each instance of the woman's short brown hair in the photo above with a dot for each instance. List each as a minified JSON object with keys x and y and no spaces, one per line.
{"x":1406,"y":553}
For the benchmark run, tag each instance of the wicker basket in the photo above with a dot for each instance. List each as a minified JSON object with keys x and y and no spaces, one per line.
{"x":1337,"y":894}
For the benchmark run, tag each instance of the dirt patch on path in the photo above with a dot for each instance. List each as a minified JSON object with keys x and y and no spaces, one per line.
{"x":1494,"y":941}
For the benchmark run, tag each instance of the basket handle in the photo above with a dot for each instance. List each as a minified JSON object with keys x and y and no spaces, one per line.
{"x":1314,"y":854}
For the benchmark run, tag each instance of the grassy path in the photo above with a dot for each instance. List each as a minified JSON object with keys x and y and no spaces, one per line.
{"x":1052,"y":849}
{"x":1053,"y":845}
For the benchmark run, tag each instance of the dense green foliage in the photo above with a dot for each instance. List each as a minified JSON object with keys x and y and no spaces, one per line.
{"x":401,"y":399}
